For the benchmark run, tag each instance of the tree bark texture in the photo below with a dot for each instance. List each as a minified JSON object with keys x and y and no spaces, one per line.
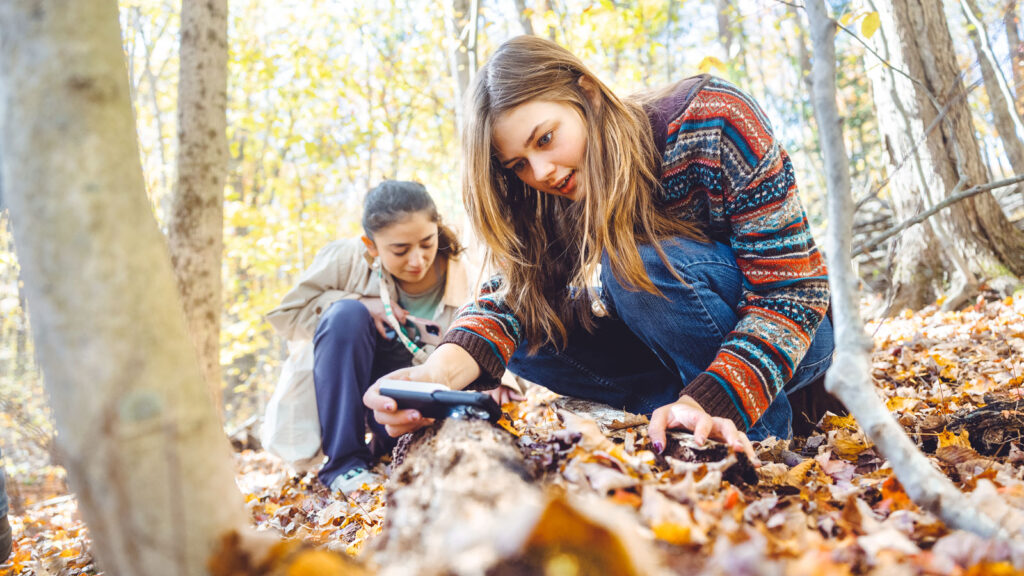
{"x":461,"y":21}
{"x":1011,"y":19}
{"x":524,"y":19}
{"x":1007,"y":122}
{"x":974,"y":237}
{"x":462,"y":501}
{"x":196,"y":223}
{"x":143,"y":448}
{"x":849,"y":378}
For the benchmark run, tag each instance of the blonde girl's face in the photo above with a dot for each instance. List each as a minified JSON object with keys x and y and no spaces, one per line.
{"x":407,"y":250}
{"x":542,"y":143}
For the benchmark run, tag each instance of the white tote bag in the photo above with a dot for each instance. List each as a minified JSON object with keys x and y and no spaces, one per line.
{"x":291,"y":426}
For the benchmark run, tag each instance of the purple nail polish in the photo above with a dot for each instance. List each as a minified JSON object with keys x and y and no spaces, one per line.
{"x":659,"y":447}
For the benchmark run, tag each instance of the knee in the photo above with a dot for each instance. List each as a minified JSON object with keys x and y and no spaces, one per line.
{"x":343,"y":320}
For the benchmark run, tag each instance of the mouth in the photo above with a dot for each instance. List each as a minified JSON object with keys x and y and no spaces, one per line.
{"x":566,"y":185}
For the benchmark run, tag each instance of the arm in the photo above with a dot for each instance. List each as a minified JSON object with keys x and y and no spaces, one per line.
{"x":321,"y":285}
{"x":787,"y":288}
{"x":482,"y":338}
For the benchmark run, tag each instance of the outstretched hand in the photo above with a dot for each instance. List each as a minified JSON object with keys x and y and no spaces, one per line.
{"x":688,"y":414}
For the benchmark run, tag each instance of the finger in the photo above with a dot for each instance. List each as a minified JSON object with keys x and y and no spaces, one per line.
{"x":400,"y":313}
{"x":656,"y":429}
{"x":748,"y":449}
{"x":399,"y":429}
{"x":728,"y":433}
{"x":377,"y":402}
{"x":515,"y":396}
{"x":381,"y":329}
{"x":398,"y":418}
{"x":702,"y":430}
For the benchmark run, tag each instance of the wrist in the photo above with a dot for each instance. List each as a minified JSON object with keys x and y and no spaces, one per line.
{"x":460,"y":369}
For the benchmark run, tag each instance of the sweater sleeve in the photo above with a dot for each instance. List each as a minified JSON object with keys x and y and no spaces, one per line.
{"x":487,"y":329}
{"x":786,"y":292}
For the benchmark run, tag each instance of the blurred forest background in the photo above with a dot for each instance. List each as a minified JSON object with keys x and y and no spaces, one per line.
{"x":326,"y":98}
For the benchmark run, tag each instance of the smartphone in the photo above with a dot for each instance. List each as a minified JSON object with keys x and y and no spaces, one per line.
{"x":437,"y":401}
{"x":430,"y":332}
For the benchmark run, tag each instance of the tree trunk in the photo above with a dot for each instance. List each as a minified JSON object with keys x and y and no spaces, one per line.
{"x":524,"y":18}
{"x":725,"y":33}
{"x":196,"y":223}
{"x":462,"y":501}
{"x":143,"y":448}
{"x":849,"y":378}
{"x":1012,"y":20}
{"x":462,"y":57}
{"x":1007,"y":122}
{"x":973,"y":240}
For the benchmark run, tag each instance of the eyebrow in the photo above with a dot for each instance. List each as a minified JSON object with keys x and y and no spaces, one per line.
{"x":401,"y":244}
{"x":525,"y":144}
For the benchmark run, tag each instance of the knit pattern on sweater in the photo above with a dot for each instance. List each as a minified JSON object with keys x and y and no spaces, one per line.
{"x":722,"y":168}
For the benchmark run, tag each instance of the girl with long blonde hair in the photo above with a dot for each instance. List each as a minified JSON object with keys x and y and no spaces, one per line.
{"x":711,"y":308}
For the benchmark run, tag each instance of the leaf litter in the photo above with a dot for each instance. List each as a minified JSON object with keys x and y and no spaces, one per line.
{"x":827,"y":504}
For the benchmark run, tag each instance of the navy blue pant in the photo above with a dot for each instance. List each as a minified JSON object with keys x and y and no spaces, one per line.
{"x":348,"y":356}
{"x":647,"y":349}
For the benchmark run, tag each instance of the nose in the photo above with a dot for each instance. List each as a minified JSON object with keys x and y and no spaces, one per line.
{"x":542,"y":170}
{"x":419,"y":258}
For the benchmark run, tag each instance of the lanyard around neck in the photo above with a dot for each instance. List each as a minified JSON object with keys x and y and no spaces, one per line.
{"x":418,"y":353}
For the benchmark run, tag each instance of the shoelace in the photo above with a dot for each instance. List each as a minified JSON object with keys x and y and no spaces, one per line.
{"x":353,"y":473}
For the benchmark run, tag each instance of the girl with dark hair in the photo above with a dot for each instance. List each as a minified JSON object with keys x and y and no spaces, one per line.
{"x":356,"y":303}
{"x":711,"y":308}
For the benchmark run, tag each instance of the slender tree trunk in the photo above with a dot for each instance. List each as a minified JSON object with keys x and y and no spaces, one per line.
{"x":524,"y":18}
{"x":196,"y":223}
{"x":461,"y":23}
{"x":1007,"y":122}
{"x":142,"y":445}
{"x":725,"y":33}
{"x":849,"y":377}
{"x":1011,"y":19}
{"x":973,"y":239}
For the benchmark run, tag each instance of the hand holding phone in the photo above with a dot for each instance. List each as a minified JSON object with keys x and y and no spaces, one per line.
{"x":430,"y":332}
{"x":437,"y":401}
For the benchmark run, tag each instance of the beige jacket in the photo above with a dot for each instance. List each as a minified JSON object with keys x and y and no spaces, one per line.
{"x":343,"y":270}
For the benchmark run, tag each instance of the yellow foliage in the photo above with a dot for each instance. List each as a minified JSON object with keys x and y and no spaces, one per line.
{"x":947,"y":438}
{"x":870,"y":25}
{"x":710,"y":61}
{"x":317,"y":563}
{"x":672,"y":533}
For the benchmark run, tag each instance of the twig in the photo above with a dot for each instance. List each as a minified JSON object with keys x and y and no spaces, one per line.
{"x":948,"y":201}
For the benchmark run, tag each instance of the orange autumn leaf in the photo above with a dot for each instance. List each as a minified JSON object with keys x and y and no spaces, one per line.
{"x":947,"y":438}
{"x":894,"y":497}
{"x":672,"y":533}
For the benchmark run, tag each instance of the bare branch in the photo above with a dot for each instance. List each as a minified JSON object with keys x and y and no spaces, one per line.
{"x":948,"y":201}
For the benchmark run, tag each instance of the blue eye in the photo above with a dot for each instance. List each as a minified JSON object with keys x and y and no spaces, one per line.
{"x":518,"y":166}
{"x":545,"y":139}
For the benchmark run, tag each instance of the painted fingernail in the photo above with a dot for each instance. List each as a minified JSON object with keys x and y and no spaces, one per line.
{"x":413,"y":416}
{"x":659,"y":447}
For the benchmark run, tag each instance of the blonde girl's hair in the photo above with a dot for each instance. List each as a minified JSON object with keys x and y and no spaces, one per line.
{"x":548,"y":248}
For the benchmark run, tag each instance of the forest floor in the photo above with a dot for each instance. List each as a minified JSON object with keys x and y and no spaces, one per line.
{"x":823,"y":504}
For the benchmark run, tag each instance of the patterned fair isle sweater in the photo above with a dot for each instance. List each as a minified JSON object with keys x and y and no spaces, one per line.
{"x":723,"y":168}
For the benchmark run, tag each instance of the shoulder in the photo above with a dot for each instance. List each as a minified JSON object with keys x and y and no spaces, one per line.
{"x":344,"y":252}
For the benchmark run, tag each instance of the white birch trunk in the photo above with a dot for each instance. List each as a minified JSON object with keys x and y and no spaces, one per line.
{"x":849,"y":378}
{"x":1007,"y":122}
{"x":196,"y":223}
{"x":143,"y":447}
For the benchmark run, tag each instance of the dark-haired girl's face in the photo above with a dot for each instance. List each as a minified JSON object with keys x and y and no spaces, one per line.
{"x":542,"y":143}
{"x":407,"y":250}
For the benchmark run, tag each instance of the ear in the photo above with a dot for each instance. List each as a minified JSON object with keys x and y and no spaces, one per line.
{"x":591,"y":91}
{"x":370,"y":246}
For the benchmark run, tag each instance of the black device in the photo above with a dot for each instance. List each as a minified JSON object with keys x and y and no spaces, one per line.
{"x":429,"y":331}
{"x":437,"y":401}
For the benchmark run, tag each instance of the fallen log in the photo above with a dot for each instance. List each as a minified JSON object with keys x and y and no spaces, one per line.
{"x":461,"y":500}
